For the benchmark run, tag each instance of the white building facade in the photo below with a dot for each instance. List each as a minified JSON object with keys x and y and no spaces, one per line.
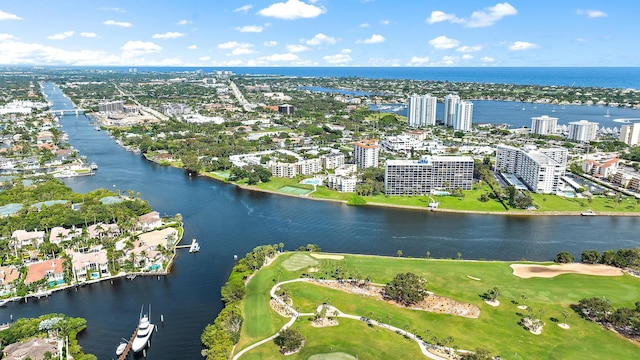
{"x":630,"y":134}
{"x":365,"y":153}
{"x":540,"y":170}
{"x":422,"y":110}
{"x":464,"y":116}
{"x":544,"y":125}
{"x":450,"y":108}
{"x":419,"y":177}
{"x":582,"y":130}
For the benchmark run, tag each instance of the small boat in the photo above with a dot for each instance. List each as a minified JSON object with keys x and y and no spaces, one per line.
{"x":4,"y":302}
{"x":121,"y":347}
{"x":607,"y":114}
{"x":93,"y":166}
{"x":97,"y":128}
{"x":588,"y":213}
{"x":195,"y":247}
{"x":145,"y":329}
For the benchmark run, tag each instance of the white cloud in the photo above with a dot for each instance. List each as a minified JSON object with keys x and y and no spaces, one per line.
{"x":385,"y":22}
{"x":281,"y":57}
{"x":140,"y":47}
{"x":487,"y":59}
{"x":184,"y":22}
{"x":418,"y":61}
{"x":591,"y":14}
{"x":292,"y":9}
{"x":341,"y":58}
{"x":243,"y":8}
{"x":7,"y":16}
{"x":5,"y":37}
{"x":91,"y":35}
{"x":296,"y":48}
{"x":118,"y":23}
{"x":439,"y":16}
{"x":480,"y":18}
{"x":320,"y":39}
{"x":374,"y":39}
{"x":467,"y":57}
{"x":468,"y":49}
{"x":168,"y":35}
{"x":386,"y":62}
{"x":522,"y":45}
{"x":204,"y":58}
{"x":192,"y":47}
{"x":241,"y":51}
{"x":61,"y":36}
{"x":364,"y":25}
{"x":270,"y":43}
{"x":15,"y":52}
{"x":488,"y":16}
{"x":449,"y":60}
{"x":443,"y":42}
{"x":250,"y":28}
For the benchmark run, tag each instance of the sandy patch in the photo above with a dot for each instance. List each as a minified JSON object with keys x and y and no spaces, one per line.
{"x":327,"y":256}
{"x":473,"y":278}
{"x":324,"y":322}
{"x":564,"y":326}
{"x":527,"y":271}
{"x":494,"y":303}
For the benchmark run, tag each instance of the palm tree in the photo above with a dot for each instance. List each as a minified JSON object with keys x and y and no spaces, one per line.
{"x":524,"y":298}
{"x":428,"y":254}
{"x":565,"y":315}
{"x":459,"y":255}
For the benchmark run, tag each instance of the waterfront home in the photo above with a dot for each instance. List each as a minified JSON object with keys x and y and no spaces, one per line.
{"x":60,"y":234}
{"x":34,"y":348}
{"x":149,"y":221}
{"x":8,"y":274}
{"x":52,"y":270}
{"x":89,"y":265}
{"x":148,"y":244}
{"x":25,"y":238}
{"x":97,"y":231}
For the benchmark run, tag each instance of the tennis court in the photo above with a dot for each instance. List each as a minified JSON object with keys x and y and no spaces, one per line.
{"x":294,"y":190}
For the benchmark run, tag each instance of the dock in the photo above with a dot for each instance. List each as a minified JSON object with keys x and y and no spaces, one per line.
{"x":129,"y":344}
{"x":193,"y":247}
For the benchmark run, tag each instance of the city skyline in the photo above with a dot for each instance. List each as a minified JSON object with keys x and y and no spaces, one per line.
{"x":318,"y":33}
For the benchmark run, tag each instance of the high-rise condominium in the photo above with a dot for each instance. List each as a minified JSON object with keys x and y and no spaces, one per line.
{"x":464,"y":115}
{"x":422,"y":110}
{"x":450,"y":107}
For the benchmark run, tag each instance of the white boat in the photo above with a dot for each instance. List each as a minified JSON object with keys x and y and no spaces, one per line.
{"x":607,"y":114}
{"x":4,"y":302}
{"x":97,"y":128}
{"x":145,"y":329}
{"x":93,"y":166}
{"x":195,"y":247}
{"x":588,"y":213}
{"x":121,"y":347}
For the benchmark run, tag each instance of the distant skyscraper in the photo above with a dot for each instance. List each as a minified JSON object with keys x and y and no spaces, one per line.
{"x":544,"y":125}
{"x":450,"y":107}
{"x":630,"y":134}
{"x":464,"y":115}
{"x":422,"y":110}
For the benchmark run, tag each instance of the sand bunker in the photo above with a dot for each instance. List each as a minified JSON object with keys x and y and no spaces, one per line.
{"x":548,"y":271}
{"x":327,"y":256}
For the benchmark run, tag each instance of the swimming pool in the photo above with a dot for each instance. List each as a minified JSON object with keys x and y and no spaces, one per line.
{"x":311,"y":181}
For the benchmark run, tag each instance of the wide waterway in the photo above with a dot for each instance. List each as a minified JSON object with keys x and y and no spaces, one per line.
{"x":228,"y":221}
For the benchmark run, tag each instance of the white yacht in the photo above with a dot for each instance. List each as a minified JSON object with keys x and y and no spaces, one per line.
{"x":121,"y":347}
{"x":145,"y":329}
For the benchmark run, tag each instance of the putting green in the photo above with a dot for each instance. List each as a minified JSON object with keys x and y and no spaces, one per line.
{"x":299,"y":261}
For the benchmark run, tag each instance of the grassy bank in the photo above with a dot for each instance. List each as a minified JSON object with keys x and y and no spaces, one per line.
{"x":497,"y":329}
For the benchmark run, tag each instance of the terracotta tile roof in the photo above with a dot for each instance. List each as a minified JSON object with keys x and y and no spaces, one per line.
{"x":39,"y":271}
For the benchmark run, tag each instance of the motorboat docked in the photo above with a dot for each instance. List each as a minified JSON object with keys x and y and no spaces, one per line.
{"x":121,"y":347}
{"x":588,"y":213}
{"x":4,"y":302}
{"x":145,"y":329}
{"x":93,"y":166}
{"x":195,"y":247}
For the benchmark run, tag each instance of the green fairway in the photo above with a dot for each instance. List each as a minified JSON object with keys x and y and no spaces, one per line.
{"x":497,"y":329}
{"x":298,"y":262}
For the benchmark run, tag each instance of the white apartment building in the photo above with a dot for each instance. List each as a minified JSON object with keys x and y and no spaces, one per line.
{"x":582,"y":130}
{"x":111,"y":106}
{"x":333,"y":160}
{"x":419,"y":177}
{"x":422,"y":110}
{"x":309,"y":166}
{"x":285,"y":170}
{"x":401,"y":143}
{"x":544,"y":125}
{"x":342,"y":183}
{"x":464,"y":115}
{"x":450,"y":108}
{"x":365,"y":153}
{"x":540,"y":170}
{"x":630,"y":134}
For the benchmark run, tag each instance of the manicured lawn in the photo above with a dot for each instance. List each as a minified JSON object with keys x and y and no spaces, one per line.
{"x":497,"y":328}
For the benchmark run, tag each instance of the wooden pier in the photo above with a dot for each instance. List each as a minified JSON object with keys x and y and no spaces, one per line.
{"x":129,"y":344}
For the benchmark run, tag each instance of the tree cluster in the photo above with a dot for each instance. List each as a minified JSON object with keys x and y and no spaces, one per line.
{"x":625,"y":320}
{"x":289,"y":340}
{"x":406,"y":289}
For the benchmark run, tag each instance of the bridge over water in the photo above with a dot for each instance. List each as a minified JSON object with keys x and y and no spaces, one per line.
{"x":75,"y":112}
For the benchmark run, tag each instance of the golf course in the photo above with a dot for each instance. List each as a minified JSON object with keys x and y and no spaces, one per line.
{"x":380,"y":328}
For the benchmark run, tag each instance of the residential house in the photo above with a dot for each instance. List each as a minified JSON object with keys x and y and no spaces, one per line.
{"x":601,"y":170}
{"x":8,"y":274}
{"x":34,"y":348}
{"x":99,"y":230}
{"x":25,"y":238}
{"x":89,"y":265}
{"x":150,"y":221}
{"x":52,"y":270}
{"x":149,"y":243}
{"x":60,"y":234}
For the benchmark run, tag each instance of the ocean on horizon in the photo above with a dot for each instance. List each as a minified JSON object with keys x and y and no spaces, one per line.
{"x":603,"y":77}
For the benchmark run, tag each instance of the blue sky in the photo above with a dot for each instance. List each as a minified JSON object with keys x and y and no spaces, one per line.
{"x":320,"y":33}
